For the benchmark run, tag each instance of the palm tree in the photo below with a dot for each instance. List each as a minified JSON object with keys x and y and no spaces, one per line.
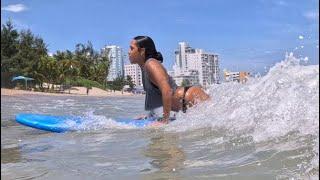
{"x":38,"y":72}
{"x":68,"y":68}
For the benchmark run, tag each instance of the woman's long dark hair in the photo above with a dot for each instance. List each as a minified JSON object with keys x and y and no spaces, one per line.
{"x":150,"y":49}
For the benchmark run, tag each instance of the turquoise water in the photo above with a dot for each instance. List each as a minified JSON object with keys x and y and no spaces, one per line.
{"x":265,"y":129}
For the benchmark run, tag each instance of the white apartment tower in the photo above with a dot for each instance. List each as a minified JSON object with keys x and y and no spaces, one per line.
{"x":134,"y":71}
{"x":115,"y":56}
{"x":195,"y":66}
{"x":181,"y":63}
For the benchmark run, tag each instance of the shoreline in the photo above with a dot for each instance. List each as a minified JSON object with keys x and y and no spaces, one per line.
{"x":75,"y":91}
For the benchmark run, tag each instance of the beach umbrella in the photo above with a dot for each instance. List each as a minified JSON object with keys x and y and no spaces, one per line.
{"x":22,"y":78}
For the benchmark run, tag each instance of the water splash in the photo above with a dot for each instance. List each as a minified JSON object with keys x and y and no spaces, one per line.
{"x":91,"y":121}
{"x":284,"y":100}
{"x":276,"y":109}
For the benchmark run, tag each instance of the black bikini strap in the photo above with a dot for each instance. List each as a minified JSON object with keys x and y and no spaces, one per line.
{"x":184,"y":103}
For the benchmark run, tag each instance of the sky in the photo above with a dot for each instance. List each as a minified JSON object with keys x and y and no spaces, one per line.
{"x":248,"y":35}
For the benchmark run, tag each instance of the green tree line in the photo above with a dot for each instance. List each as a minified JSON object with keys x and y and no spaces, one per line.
{"x":23,"y":53}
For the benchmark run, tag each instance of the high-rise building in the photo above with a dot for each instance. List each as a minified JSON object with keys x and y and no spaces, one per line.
{"x":181,"y":56}
{"x":134,"y":71}
{"x":170,"y":73}
{"x":115,"y":55}
{"x":240,"y":76}
{"x":187,"y":78}
{"x":195,"y":66}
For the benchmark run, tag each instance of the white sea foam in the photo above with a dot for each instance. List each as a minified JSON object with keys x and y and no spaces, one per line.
{"x":284,"y":100}
{"x":90,"y":121}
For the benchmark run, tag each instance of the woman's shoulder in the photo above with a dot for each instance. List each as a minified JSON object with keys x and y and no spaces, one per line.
{"x":154,"y":67}
{"x":152,"y":62}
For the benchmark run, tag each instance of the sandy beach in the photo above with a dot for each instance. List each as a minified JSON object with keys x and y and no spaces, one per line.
{"x":75,"y":91}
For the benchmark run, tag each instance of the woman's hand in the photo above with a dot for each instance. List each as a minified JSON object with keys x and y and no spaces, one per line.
{"x":159,"y":122}
{"x":163,"y":120}
{"x":140,"y":117}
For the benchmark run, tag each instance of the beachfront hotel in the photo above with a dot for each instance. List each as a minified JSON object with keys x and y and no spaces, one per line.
{"x":134,"y":71}
{"x":115,"y":55}
{"x":195,"y":66}
{"x":240,"y":76}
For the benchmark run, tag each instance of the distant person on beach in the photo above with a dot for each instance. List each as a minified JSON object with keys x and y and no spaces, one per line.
{"x":88,"y":91}
{"x":161,"y":91}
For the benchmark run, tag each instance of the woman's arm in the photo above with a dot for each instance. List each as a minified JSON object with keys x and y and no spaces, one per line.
{"x":159,"y":77}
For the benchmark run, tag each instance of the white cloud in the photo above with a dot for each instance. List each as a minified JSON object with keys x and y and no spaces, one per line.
{"x":14,"y":8}
{"x":311,"y":15}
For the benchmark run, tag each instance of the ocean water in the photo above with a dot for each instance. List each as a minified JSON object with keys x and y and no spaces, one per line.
{"x":267,"y":128}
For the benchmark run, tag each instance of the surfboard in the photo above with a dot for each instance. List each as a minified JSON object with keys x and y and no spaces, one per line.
{"x":70,"y":123}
